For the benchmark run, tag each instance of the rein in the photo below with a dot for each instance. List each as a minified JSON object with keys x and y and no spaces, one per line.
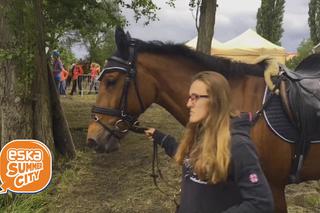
{"x":156,"y":173}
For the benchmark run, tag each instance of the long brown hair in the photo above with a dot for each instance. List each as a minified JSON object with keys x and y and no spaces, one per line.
{"x":207,"y":143}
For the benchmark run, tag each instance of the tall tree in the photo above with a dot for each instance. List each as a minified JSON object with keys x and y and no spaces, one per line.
{"x":314,"y":21}
{"x":205,"y":21}
{"x":269,"y":20}
{"x":303,"y":51}
{"x":73,"y":19}
{"x":29,"y":107}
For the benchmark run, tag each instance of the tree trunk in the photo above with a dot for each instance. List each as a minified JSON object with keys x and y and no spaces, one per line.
{"x":62,"y":136}
{"x":30,"y":106}
{"x":206,"y":25}
{"x":41,"y":101}
{"x":16,"y":110}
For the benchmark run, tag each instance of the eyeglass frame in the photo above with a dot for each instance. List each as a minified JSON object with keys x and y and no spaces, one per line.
{"x":195,"y":97}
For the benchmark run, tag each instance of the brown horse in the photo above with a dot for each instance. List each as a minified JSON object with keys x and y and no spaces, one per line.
{"x":141,"y":73}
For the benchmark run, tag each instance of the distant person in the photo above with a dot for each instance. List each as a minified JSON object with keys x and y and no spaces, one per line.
{"x":94,"y":72}
{"x":57,"y":68}
{"x":77,"y":79}
{"x":220,"y":167}
{"x":63,"y":82}
{"x":69,"y":78}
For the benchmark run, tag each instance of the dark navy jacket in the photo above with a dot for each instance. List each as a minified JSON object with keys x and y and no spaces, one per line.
{"x":246,"y":189}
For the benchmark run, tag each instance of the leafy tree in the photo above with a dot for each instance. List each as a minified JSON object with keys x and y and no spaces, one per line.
{"x":269,"y":20}
{"x":100,"y":52}
{"x":304,"y":50}
{"x":67,"y":56}
{"x":314,"y":20}
{"x":96,"y":37}
{"x":71,"y":20}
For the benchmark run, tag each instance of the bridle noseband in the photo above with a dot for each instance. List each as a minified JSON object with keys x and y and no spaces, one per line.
{"x":130,"y":122}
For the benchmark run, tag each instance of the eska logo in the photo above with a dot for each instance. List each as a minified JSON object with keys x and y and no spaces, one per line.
{"x":25,"y":166}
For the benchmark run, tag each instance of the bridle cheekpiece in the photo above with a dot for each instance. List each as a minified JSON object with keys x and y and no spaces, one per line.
{"x":129,"y":122}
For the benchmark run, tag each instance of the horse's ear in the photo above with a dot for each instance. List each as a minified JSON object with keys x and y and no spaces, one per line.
{"x":128,"y":35}
{"x":121,"y":39}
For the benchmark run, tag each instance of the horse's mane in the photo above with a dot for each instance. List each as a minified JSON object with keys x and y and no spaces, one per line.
{"x":226,"y":67}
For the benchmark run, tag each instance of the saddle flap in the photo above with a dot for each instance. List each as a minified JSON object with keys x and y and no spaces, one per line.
{"x":304,"y":101}
{"x":311,"y":87}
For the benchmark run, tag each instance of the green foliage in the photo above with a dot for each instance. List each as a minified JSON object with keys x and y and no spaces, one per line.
{"x":22,"y":45}
{"x":314,"y":20}
{"x":269,"y":20}
{"x":67,"y":57}
{"x":70,"y":20}
{"x":142,"y":8}
{"x":99,"y":52}
{"x":304,"y":50}
{"x":98,"y":34}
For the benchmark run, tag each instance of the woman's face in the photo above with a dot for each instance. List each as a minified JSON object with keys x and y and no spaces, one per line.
{"x":198,"y":102}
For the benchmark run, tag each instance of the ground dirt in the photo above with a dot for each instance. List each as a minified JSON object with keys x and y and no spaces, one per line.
{"x":121,"y":182}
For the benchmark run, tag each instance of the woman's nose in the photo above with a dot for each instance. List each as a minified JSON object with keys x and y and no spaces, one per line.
{"x":189,"y":104}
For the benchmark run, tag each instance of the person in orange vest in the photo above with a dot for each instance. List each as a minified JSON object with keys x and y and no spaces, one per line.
{"x":63,"y":80}
{"x":77,"y":79}
{"x":94,"y":71}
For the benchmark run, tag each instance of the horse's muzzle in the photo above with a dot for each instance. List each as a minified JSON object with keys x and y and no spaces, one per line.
{"x":92,"y":143}
{"x":111,"y":146}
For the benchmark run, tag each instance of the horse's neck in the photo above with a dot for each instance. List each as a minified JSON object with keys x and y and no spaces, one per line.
{"x":247,"y":93}
{"x":173,"y":78}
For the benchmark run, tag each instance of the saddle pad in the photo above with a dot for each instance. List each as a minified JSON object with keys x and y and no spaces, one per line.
{"x":278,"y":120}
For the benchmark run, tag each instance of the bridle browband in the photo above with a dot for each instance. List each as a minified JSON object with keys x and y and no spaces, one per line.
{"x":127,"y":67}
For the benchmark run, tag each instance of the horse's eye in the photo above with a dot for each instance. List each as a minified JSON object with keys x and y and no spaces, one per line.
{"x":111,"y":82}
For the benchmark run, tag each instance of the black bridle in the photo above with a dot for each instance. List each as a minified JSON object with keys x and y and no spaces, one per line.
{"x":129,"y":122}
{"x":128,"y":67}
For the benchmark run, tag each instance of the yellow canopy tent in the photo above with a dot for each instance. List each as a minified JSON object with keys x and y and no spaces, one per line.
{"x":249,"y":46}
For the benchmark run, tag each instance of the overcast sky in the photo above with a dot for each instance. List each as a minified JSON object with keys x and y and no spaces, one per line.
{"x":233,"y":17}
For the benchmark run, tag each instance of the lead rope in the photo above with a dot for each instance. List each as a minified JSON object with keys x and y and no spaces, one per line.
{"x":155,"y":163}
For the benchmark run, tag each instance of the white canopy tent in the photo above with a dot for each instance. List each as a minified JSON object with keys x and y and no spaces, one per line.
{"x":193,"y":43}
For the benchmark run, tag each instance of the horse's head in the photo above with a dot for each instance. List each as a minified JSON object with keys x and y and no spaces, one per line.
{"x":125,"y":92}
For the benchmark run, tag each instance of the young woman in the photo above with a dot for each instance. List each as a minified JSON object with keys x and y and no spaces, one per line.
{"x":221,"y":170}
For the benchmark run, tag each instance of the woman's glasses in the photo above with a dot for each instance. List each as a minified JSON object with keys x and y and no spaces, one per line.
{"x":195,"y":97}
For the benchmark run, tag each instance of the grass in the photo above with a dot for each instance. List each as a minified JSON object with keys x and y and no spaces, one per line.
{"x":39,"y":202}
{"x":120,"y":182}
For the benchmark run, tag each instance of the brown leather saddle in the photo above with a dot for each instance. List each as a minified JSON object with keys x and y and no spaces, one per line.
{"x":300,"y":94}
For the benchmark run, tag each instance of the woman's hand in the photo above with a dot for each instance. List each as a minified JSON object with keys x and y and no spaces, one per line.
{"x":149,"y":133}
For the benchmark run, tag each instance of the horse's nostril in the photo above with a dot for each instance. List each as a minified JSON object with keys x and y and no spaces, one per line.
{"x":92,"y":143}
